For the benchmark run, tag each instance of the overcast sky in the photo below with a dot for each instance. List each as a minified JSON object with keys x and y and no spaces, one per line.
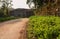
{"x":19,"y":4}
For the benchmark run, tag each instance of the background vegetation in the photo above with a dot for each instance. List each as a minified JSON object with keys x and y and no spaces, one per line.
{"x":5,"y":7}
{"x":45,"y":7}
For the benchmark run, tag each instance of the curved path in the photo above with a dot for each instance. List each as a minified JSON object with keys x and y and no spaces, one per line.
{"x":14,"y":29}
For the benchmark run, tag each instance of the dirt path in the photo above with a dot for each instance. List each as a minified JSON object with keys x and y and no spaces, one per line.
{"x":13,"y":29}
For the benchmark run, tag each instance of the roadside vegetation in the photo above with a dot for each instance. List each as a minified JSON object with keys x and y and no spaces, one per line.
{"x":2,"y":19}
{"x":44,"y":27}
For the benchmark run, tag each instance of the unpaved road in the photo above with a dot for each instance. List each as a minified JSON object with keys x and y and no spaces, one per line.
{"x":15,"y":29}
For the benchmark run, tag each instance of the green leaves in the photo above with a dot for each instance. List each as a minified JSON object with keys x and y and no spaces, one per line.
{"x":41,"y":27}
{"x":40,"y":3}
{"x":2,"y":19}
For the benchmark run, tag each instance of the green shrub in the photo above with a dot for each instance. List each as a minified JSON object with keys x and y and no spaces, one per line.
{"x":6,"y":18}
{"x":41,"y":27}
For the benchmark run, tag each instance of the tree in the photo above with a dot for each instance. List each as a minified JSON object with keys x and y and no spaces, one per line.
{"x":39,"y":4}
{"x":6,"y":4}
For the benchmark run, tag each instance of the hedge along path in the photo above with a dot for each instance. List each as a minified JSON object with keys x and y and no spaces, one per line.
{"x":14,"y":29}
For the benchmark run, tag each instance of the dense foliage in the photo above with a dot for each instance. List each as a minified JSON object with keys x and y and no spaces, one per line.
{"x":45,"y":7}
{"x":41,"y":27}
{"x":40,"y":3}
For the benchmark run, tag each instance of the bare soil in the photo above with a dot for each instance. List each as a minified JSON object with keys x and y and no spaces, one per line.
{"x":14,"y":29}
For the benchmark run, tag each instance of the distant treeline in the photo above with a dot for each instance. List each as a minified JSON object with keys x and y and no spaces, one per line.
{"x":22,"y":12}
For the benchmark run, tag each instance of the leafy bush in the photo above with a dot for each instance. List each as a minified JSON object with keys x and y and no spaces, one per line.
{"x":41,"y":27}
{"x":6,"y":18}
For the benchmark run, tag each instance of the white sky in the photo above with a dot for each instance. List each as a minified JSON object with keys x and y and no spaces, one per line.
{"x":19,"y":4}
